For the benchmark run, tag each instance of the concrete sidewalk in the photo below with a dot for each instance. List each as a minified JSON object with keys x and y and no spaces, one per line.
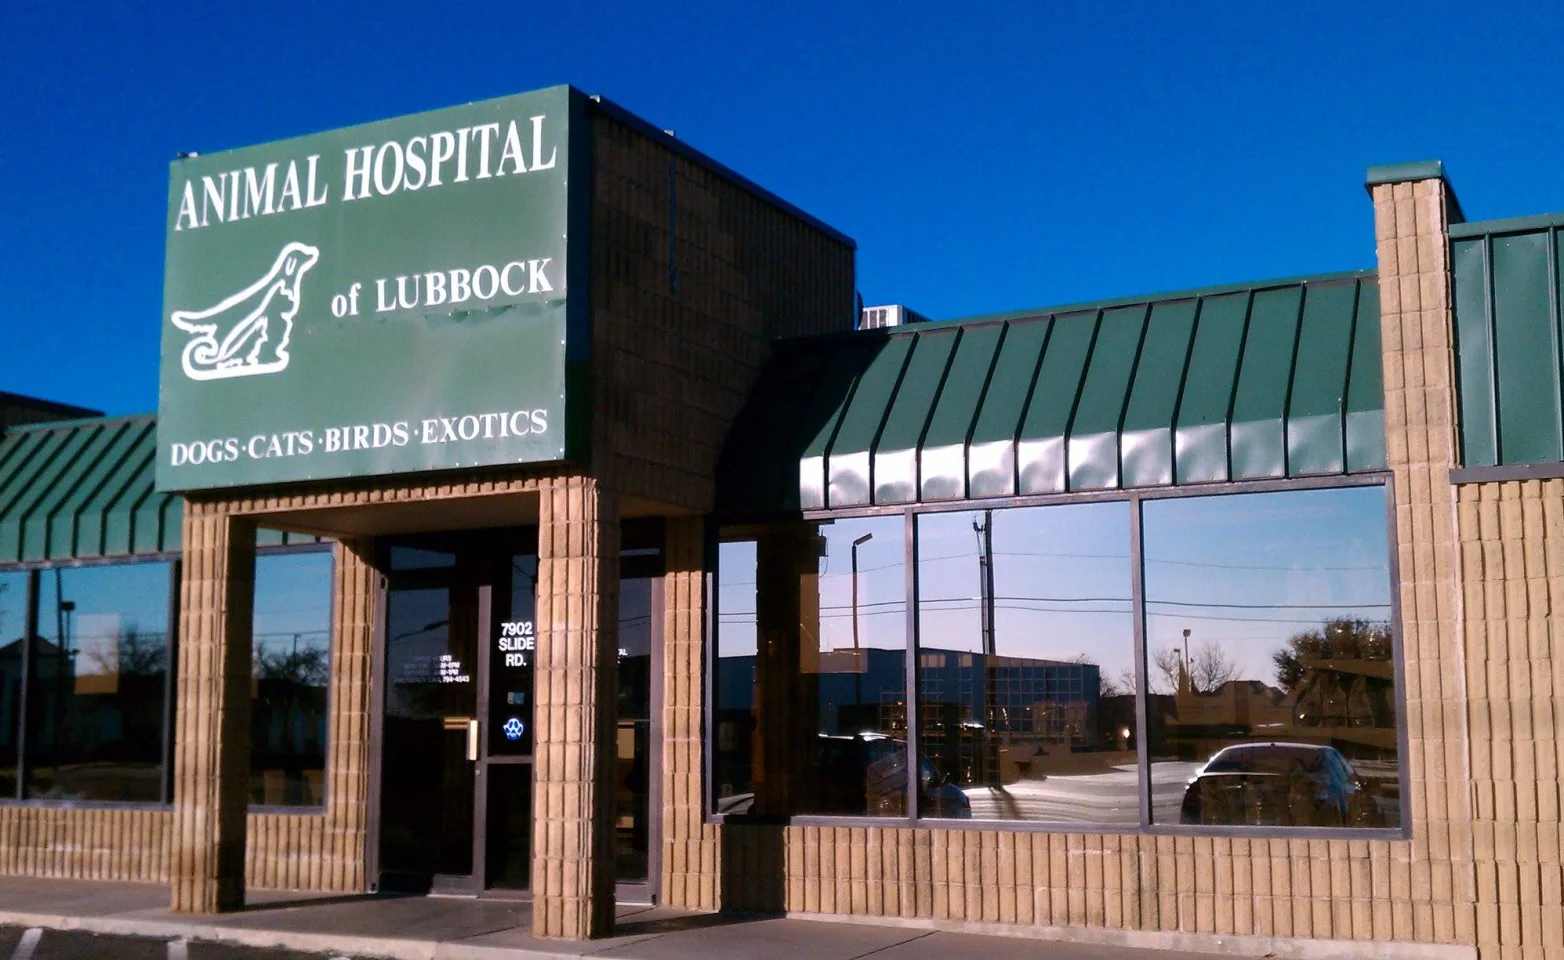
{"x":444,"y":928}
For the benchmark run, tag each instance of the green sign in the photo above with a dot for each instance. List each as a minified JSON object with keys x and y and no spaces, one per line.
{"x":380,"y":299}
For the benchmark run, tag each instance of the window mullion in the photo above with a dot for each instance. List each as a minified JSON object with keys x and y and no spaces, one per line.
{"x":29,"y":641}
{"x":171,"y":678}
{"x":910,"y":561}
{"x":1138,"y":615}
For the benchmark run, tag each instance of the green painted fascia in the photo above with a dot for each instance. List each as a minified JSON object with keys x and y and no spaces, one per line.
{"x":1478,"y":228}
{"x":1402,"y":172}
{"x":1191,"y":294}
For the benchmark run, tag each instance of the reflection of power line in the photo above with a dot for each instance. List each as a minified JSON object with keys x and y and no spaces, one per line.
{"x":1049,"y":555}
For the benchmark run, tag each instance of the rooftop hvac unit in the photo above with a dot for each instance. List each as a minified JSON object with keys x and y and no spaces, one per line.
{"x":889,"y":315}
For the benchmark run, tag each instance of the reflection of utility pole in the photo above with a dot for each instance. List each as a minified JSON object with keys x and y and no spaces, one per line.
{"x":1189,"y":680}
{"x":860,"y":663}
{"x":984,"y":529}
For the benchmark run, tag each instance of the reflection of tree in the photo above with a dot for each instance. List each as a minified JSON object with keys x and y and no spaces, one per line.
{"x":134,"y":654}
{"x":141,"y":655}
{"x":306,"y":667}
{"x":1209,"y":669}
{"x":1342,"y":638}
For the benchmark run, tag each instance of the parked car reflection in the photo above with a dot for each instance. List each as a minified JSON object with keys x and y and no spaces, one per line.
{"x":866,"y":774}
{"x":1279,"y":784}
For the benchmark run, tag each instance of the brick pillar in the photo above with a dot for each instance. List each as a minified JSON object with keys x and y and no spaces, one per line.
{"x":575,"y":712}
{"x":212,"y":717}
{"x":353,"y":638}
{"x":690,"y":845}
{"x":1413,"y":208}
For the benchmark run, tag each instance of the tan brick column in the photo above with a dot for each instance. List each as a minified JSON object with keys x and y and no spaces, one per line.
{"x":575,"y":712}
{"x":1411,"y":223}
{"x":212,"y":718}
{"x":690,"y":845}
{"x":347,"y":767}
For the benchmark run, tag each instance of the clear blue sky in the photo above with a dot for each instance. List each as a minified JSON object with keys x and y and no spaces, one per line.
{"x":985,"y":156}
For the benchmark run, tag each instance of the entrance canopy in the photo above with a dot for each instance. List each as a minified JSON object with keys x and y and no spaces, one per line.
{"x":1265,"y":380}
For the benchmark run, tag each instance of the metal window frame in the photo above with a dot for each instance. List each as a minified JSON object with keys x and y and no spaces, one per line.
{"x":1135,"y":497}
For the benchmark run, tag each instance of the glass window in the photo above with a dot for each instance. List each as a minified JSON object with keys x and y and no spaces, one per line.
{"x":1026,"y":683}
{"x":1267,"y":672}
{"x":288,"y":686}
{"x":13,"y":636}
{"x":100,"y":662}
{"x":1270,"y":663}
{"x":812,"y":661}
{"x":733,"y":685}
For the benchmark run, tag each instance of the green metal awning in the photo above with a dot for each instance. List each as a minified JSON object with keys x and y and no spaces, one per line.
{"x":1509,"y":332}
{"x":84,"y":489}
{"x":1278,"y":379}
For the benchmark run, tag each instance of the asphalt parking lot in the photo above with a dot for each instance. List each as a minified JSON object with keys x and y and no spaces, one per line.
{"x":17,"y":943}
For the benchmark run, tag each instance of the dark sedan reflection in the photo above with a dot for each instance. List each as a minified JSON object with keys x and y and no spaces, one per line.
{"x":1279,"y":784}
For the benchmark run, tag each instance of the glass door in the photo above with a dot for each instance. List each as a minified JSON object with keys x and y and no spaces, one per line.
{"x":456,"y":755}
{"x":506,"y":766}
{"x":637,"y":753}
{"x":428,"y":737}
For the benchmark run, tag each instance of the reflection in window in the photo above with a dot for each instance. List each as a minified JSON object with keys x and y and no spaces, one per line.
{"x":95,"y":705}
{"x":13,"y":635}
{"x":1026,"y":682}
{"x":733,"y":684}
{"x":290,"y":669}
{"x":814,"y":666}
{"x":1270,"y":665}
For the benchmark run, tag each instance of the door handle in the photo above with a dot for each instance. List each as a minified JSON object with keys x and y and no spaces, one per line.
{"x":472,"y":739}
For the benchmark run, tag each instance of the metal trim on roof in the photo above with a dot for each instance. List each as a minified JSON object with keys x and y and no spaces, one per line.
{"x":1278,"y":379}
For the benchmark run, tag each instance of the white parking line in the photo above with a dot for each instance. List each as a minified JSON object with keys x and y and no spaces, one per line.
{"x":28,"y":943}
{"x":178,"y":950}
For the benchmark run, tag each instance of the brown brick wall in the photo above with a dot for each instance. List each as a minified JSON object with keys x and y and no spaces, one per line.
{"x":690,"y":846}
{"x":1512,"y":565}
{"x":212,"y":714}
{"x":576,"y":697}
{"x":683,"y":311}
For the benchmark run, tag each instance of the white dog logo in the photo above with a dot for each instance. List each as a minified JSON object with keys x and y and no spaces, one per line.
{"x":222,"y":333}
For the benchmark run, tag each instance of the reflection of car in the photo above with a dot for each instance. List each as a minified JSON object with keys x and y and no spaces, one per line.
{"x":1279,"y":784}
{"x":866,"y":774}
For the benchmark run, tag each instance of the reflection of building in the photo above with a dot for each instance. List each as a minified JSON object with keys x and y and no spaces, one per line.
{"x":997,"y":719}
{"x":976,"y":715}
{"x":1347,"y":704}
{"x":94,"y":715}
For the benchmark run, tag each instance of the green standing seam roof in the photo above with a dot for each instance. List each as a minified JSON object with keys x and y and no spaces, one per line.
{"x":895,"y":462}
{"x":847,"y":470}
{"x":1148,"y":421}
{"x":1257,"y":423}
{"x":943,"y":464}
{"x":84,"y":489}
{"x":1278,"y":379}
{"x":991,"y":451}
{"x":1509,"y":366}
